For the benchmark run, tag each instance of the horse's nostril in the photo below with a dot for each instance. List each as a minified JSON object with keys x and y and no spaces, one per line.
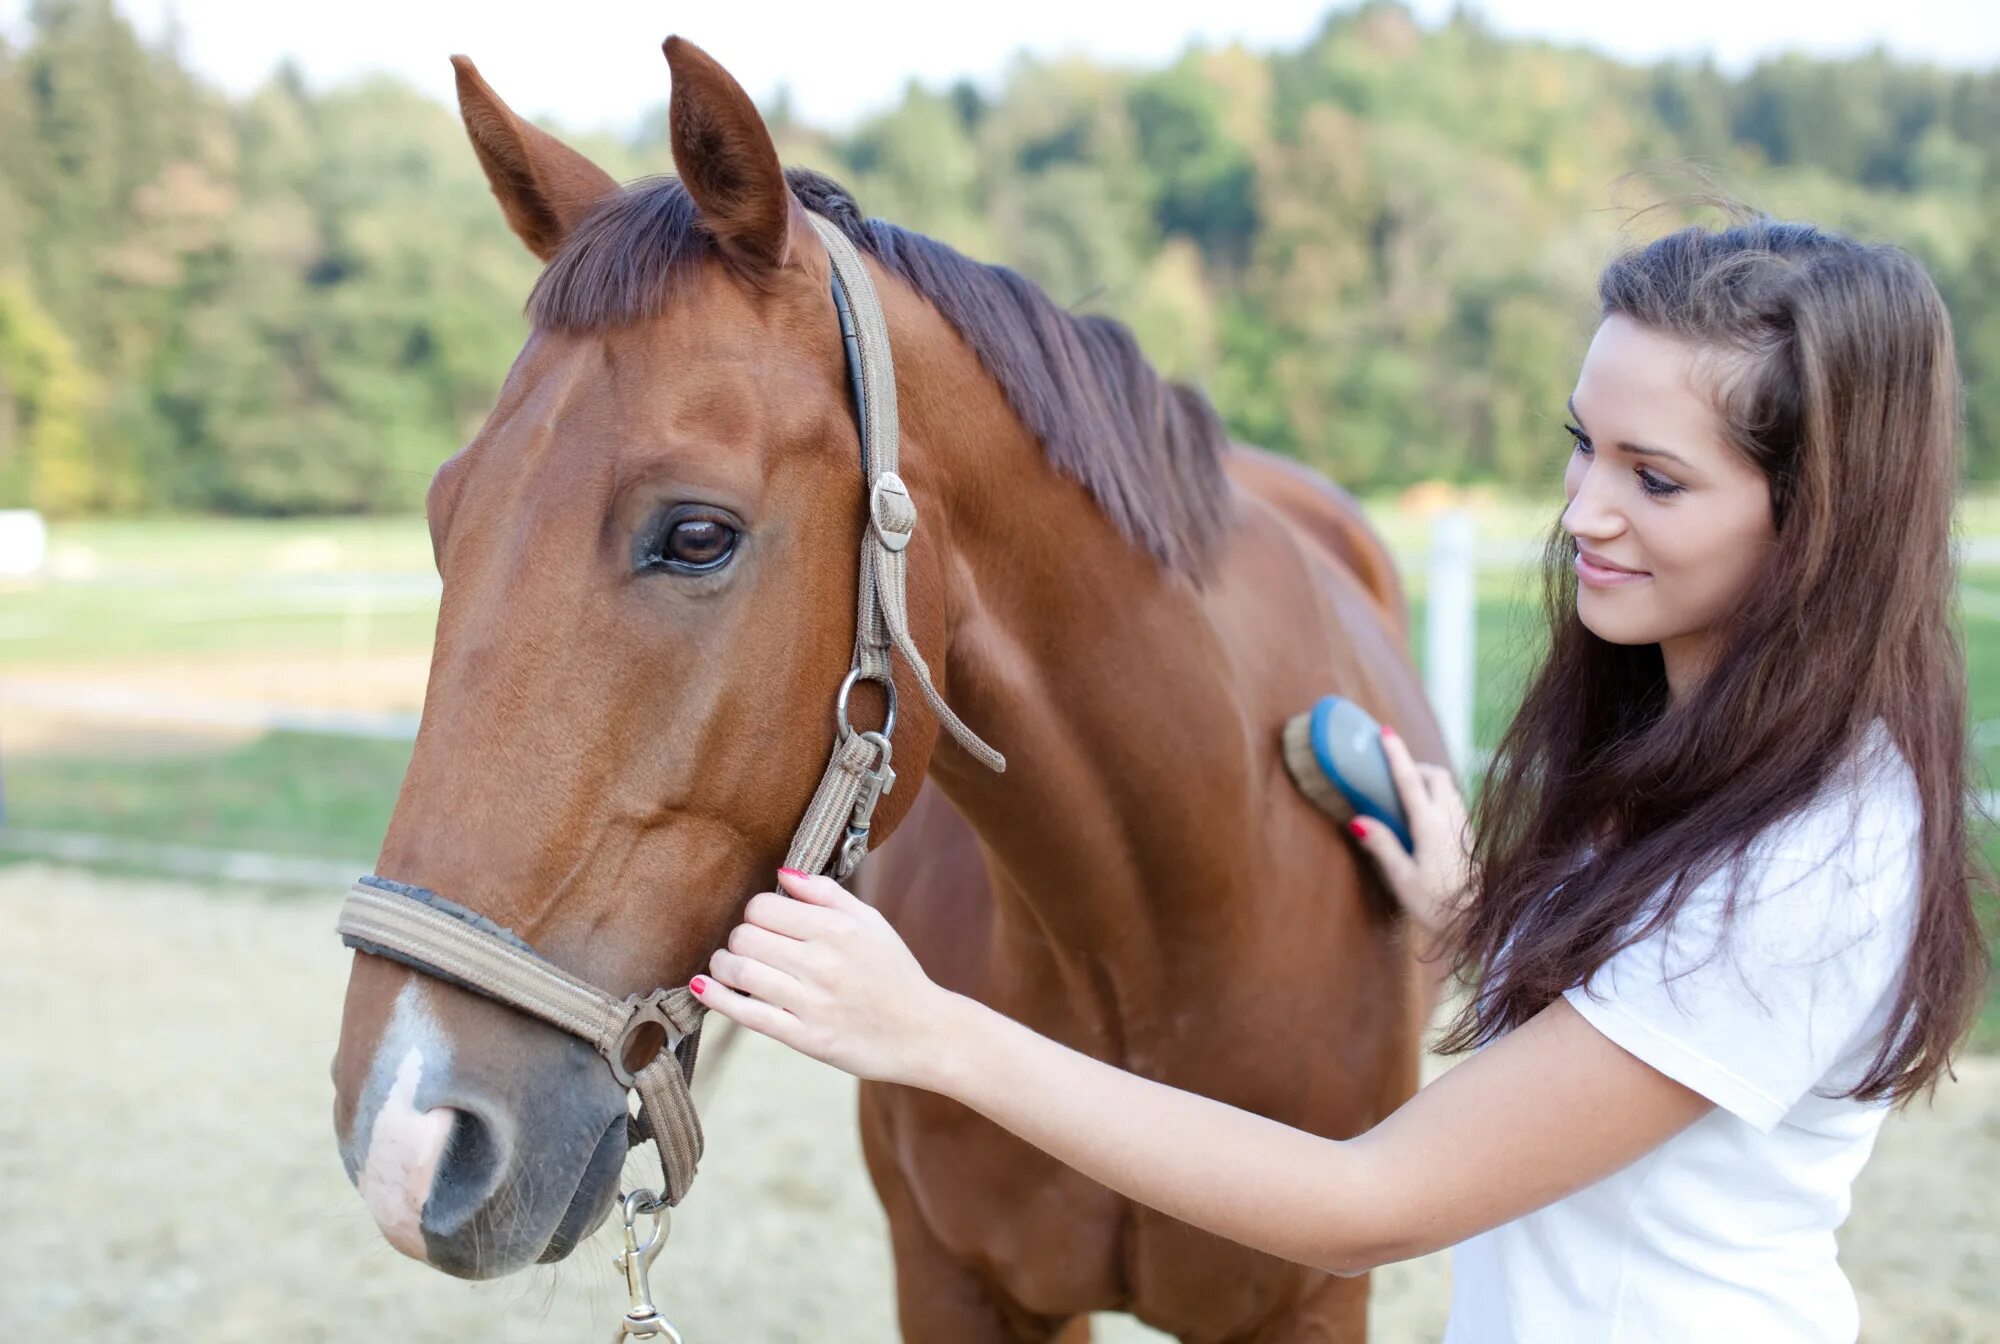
{"x":467,"y":1174}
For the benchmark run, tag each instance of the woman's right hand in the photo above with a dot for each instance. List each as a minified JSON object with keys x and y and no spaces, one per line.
{"x":1430,"y":883}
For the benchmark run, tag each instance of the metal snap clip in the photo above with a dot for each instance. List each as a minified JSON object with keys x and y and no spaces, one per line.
{"x":642,"y":1319}
{"x":879,"y":780}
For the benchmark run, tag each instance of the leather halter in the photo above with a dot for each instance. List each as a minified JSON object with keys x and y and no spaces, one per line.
{"x":448,"y":942}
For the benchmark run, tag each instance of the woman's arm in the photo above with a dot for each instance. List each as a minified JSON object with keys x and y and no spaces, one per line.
{"x":1545,"y":1110}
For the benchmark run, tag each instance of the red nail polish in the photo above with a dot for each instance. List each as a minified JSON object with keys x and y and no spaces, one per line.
{"x":1359,"y":831}
{"x":1387,"y":731}
{"x":793,"y":871}
{"x":698,"y":985}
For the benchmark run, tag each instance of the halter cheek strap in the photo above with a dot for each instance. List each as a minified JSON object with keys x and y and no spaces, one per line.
{"x":445,"y":940}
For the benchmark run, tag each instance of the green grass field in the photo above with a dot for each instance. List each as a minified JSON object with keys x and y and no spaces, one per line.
{"x":137,"y":596}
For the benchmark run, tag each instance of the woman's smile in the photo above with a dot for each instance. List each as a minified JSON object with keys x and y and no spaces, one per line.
{"x":1594,"y":571}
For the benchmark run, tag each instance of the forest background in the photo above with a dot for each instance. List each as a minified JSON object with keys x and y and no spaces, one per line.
{"x":1376,"y":251}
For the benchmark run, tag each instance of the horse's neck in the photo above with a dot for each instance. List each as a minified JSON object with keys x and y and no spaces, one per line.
{"x":1102,"y":679}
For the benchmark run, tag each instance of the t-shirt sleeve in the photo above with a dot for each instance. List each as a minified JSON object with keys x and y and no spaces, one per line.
{"x":1755,"y":1010}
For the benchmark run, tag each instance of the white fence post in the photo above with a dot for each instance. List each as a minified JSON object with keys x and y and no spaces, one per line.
{"x":1450,"y":625}
{"x":24,"y":543}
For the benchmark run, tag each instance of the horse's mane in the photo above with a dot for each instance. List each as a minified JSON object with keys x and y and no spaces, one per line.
{"x":1148,"y":450}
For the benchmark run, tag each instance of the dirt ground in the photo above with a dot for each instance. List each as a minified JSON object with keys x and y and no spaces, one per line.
{"x":167,"y":1165}
{"x":381,"y":682}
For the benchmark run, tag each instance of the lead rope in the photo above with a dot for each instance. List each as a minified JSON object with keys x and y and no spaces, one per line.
{"x":435,"y":936}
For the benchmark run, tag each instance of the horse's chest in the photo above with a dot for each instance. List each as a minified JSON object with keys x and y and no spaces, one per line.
{"x":1052,"y":1237}
{"x":1058,"y":1243}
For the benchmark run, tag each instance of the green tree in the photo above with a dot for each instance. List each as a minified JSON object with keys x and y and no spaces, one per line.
{"x":46,"y":454}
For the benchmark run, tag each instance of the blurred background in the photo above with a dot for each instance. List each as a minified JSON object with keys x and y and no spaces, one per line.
{"x":253,"y":289}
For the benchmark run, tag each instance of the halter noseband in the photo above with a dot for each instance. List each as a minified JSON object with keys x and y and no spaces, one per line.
{"x":448,"y":942}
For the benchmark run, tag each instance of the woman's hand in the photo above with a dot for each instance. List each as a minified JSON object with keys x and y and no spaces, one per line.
{"x":1432,"y":882}
{"x":825,"y":974}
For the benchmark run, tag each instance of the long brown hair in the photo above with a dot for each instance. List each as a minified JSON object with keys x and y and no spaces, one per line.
{"x":1844,"y":391}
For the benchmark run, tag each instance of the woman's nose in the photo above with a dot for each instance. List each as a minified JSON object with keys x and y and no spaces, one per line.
{"x":1589,"y":515}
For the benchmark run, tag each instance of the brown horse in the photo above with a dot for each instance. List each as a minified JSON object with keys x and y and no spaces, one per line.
{"x":648,"y":557}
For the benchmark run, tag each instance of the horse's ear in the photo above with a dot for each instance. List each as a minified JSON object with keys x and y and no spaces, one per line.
{"x":725,"y":157}
{"x":543,"y":185}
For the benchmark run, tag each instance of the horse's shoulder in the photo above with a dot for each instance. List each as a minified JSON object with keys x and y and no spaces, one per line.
{"x":1322,"y":514}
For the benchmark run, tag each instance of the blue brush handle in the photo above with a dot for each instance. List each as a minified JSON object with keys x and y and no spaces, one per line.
{"x":1347,"y":743}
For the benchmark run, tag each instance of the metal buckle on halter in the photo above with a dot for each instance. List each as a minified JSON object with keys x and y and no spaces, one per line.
{"x":878,"y":781}
{"x":893,"y":511}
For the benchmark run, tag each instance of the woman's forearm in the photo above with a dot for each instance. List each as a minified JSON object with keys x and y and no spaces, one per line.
{"x":1239,"y":1175}
{"x":1535,"y":1116}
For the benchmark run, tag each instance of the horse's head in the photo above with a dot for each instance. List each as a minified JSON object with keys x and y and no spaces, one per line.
{"x":649,"y":560}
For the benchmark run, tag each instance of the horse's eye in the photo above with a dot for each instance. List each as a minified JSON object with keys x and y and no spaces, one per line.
{"x":699,"y":542}
{"x":692,"y":545}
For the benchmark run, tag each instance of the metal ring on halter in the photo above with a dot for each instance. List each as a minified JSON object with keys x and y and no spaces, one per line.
{"x":645,"y":1012}
{"x":840,"y":719}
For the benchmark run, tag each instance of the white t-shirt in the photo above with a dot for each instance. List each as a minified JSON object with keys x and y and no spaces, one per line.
{"x":1724,"y":1233}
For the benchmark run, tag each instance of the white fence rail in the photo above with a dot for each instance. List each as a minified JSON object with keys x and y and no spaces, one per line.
{"x":136,"y":703}
{"x":1451,"y":564}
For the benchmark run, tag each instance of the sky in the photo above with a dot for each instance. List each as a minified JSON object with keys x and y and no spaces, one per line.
{"x":597,"y":63}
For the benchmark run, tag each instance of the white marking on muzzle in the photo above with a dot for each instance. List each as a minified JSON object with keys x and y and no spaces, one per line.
{"x":404,"y":1144}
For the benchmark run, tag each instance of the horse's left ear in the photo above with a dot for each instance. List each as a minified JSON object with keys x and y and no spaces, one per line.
{"x":725,"y":157}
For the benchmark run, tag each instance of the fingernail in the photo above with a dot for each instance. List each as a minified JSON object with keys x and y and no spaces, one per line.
{"x":1387,"y":731}
{"x":698,"y":985}
{"x":1360,"y":832}
{"x":793,"y":871}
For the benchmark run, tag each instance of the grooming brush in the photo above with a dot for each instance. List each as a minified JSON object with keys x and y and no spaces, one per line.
{"x":1334,"y":754}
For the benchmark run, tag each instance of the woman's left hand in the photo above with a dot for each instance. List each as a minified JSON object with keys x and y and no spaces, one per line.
{"x":820,"y":970}
{"x":1433,"y":882}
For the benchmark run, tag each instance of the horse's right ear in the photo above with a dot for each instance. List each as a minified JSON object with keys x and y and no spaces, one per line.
{"x":724,"y":155}
{"x":543,"y":185}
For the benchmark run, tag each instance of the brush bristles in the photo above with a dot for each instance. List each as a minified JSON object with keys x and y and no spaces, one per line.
{"x":1303,"y":765}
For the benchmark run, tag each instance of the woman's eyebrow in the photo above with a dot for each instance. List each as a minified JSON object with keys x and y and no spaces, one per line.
{"x":1639,"y":449}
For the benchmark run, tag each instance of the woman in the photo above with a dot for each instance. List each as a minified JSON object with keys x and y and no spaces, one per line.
{"x":1717,"y":911}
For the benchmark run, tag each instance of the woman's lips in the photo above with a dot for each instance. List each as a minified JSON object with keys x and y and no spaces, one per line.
{"x":1599,"y":576}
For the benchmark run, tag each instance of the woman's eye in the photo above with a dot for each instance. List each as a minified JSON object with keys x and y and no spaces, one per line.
{"x":1656,"y":486}
{"x":692,"y":545}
